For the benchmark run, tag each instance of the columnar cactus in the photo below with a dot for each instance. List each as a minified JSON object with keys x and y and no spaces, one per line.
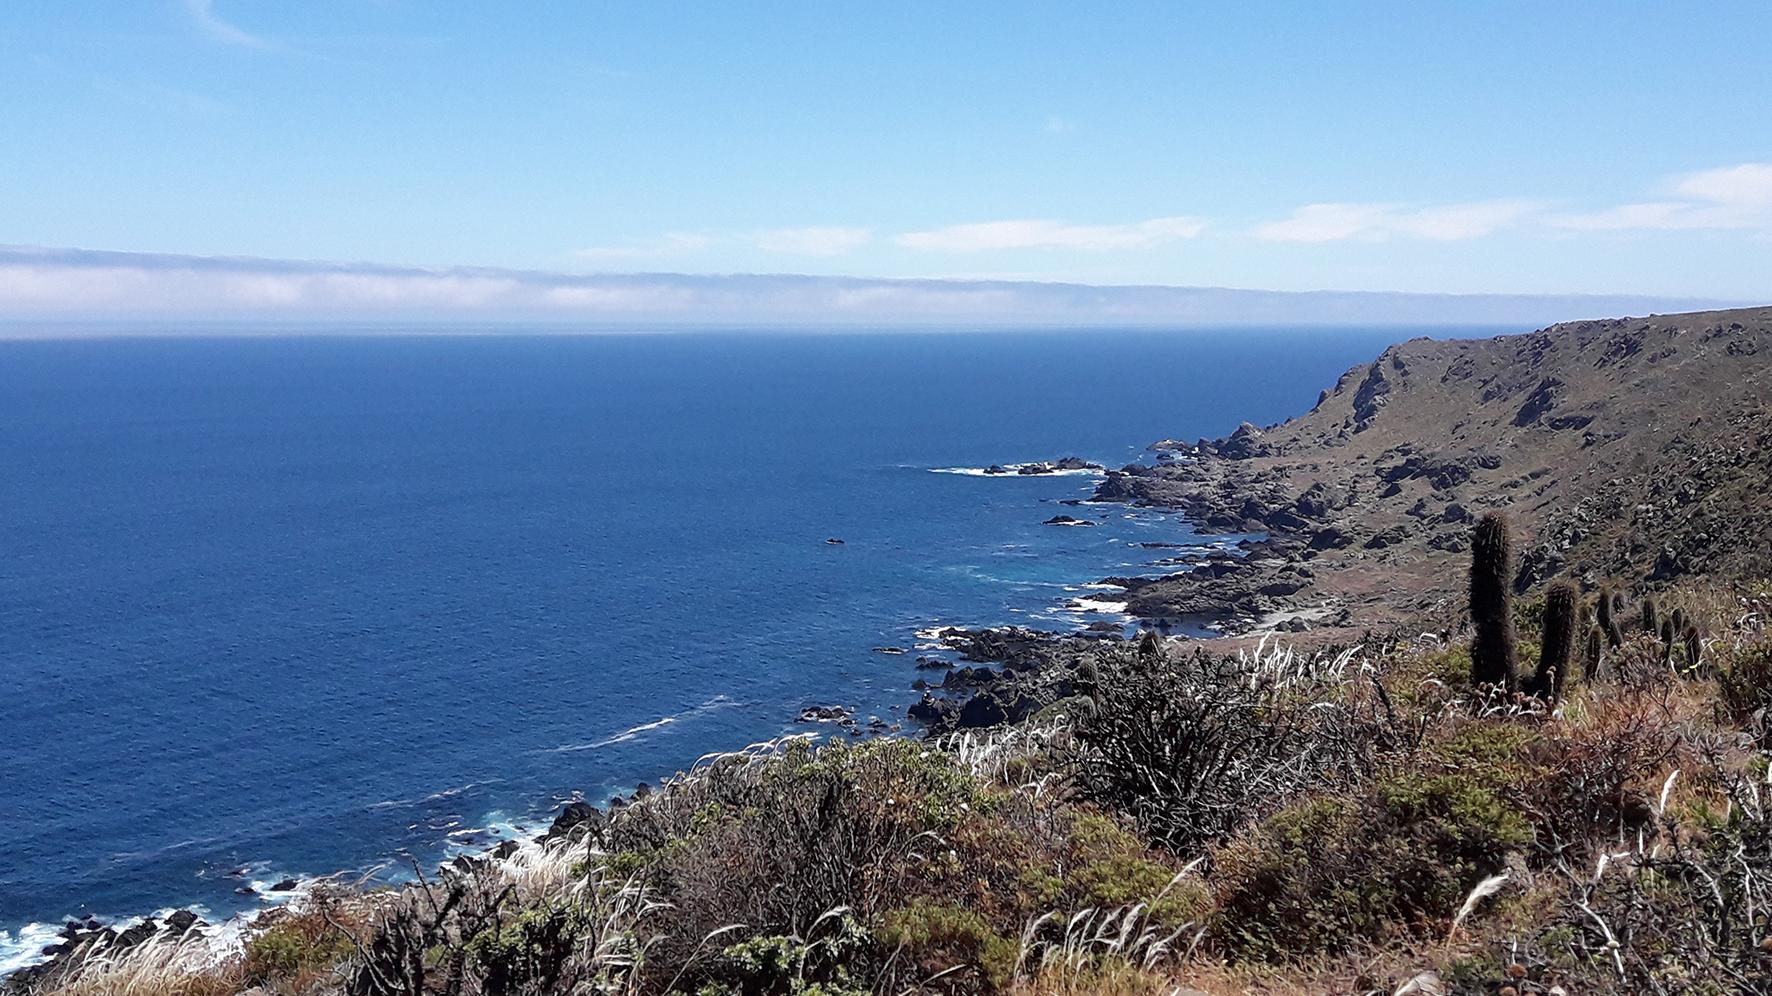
{"x":1557,"y":650}
{"x":1651,"y":618}
{"x":1492,"y":603}
{"x":1592,"y":653}
{"x":1604,"y":613}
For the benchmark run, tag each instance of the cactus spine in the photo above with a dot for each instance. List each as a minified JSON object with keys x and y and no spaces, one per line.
{"x":1491,"y":603}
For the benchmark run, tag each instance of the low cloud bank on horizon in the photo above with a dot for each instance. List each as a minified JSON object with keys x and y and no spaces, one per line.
{"x":56,"y":286}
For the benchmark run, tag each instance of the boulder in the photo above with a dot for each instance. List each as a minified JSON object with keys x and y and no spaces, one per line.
{"x":1387,"y":537}
{"x":576,"y":814}
{"x":930,"y":710}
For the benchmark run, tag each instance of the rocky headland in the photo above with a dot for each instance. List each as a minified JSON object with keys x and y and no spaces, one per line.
{"x":1635,"y":449}
{"x":1623,"y":448}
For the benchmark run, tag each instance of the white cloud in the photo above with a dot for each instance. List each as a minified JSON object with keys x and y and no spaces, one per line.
{"x":1046,"y":234}
{"x":814,"y":241}
{"x":1056,"y":125}
{"x":1747,"y":185}
{"x":203,"y":14}
{"x":68,"y":284}
{"x":1729,"y":197}
{"x":1440,"y":223}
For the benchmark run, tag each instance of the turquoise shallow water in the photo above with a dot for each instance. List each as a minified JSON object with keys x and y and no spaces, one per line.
{"x":304,"y":604}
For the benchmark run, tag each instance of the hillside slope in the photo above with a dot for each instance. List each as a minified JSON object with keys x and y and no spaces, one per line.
{"x":1631,"y":449}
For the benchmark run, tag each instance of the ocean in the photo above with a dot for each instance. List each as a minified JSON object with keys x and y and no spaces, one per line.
{"x":280,"y":606}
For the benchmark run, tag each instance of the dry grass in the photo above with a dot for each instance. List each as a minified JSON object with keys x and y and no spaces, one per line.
{"x":156,"y":967}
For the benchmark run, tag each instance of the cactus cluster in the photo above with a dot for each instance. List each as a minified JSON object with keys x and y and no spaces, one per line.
{"x":1572,"y":632}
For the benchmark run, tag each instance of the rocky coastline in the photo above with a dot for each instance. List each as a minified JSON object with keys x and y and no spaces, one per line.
{"x":1355,"y":515}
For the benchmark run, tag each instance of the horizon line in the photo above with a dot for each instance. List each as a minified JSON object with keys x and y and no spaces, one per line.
{"x":50,"y":284}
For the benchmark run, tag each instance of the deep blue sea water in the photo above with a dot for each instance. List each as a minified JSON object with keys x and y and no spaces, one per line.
{"x":304,"y":604}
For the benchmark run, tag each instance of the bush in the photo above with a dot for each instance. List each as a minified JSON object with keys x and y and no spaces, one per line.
{"x":297,"y":944}
{"x":778,"y":965}
{"x":1330,"y":872}
{"x":1193,"y":746}
{"x":1744,"y":687}
{"x":530,"y":952}
{"x":936,"y":938}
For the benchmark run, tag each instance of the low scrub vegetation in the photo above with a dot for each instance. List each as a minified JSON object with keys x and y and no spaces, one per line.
{"x":1377,"y":819}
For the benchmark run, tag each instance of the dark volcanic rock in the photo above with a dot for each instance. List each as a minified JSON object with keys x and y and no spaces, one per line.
{"x":1541,"y":401}
{"x":1387,"y":537}
{"x":1243,"y":444}
{"x":1066,"y":520}
{"x":576,"y":815}
{"x":931,"y":711}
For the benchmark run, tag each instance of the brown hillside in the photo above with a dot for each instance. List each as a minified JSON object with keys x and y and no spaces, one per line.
{"x":1634,"y":449}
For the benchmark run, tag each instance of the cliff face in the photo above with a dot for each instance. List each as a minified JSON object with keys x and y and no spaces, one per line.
{"x":1638,"y":450}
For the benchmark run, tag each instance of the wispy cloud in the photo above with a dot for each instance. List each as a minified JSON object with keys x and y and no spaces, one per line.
{"x":1729,"y":197}
{"x":202,"y":13}
{"x":1047,"y":234}
{"x":1333,"y":222}
{"x":1056,"y":125}
{"x":817,"y":240}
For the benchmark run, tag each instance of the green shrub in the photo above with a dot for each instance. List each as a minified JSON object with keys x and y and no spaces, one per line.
{"x":938,"y":937}
{"x":1110,"y":868}
{"x":1329,"y":873}
{"x":779,"y":965}
{"x":290,"y":948}
{"x":531,"y":952}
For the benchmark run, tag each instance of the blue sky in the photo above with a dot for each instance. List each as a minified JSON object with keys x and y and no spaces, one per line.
{"x":1425,"y":147}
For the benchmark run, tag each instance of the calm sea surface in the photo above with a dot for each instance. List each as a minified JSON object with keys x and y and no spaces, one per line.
{"x":295,"y":605}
